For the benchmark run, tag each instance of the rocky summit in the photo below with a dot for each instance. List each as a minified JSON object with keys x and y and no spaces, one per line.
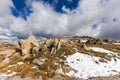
{"x":61,"y":58}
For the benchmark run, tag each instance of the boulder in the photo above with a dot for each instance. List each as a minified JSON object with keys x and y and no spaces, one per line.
{"x":39,"y":61}
{"x":5,"y":62}
{"x":33,"y":41}
{"x":86,"y":48}
{"x":6,"y":44}
{"x":25,"y":47}
{"x":7,"y":52}
{"x":50,"y":43}
{"x":29,"y":47}
{"x":57,"y":44}
{"x":53,"y":50}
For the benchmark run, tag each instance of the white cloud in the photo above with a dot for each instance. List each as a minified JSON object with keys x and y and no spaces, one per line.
{"x":44,"y":21}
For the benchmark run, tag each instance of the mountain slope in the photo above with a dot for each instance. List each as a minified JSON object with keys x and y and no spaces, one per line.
{"x":62,"y":58}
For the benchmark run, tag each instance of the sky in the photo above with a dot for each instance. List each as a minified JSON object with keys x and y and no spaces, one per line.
{"x":52,"y":18}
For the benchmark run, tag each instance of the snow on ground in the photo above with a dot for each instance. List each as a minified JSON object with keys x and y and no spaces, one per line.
{"x":85,"y":66}
{"x":83,"y":40}
{"x":97,"y":49}
{"x":3,"y":76}
{"x":34,"y":67}
{"x":18,"y":63}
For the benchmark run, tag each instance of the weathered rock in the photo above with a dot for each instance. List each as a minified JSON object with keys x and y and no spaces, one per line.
{"x":53,"y":50}
{"x":29,"y":46}
{"x":41,"y":45}
{"x":56,"y":43}
{"x":8,"y":52}
{"x":59,"y":45}
{"x":34,"y":51}
{"x":6,"y":44}
{"x":33,"y":41}
{"x":50,"y":43}
{"x":39,"y":61}
{"x":86,"y":48}
{"x":25,"y":47}
{"x":5,"y":62}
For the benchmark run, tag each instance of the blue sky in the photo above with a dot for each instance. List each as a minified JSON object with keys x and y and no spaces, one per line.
{"x":52,"y":18}
{"x":21,"y":8}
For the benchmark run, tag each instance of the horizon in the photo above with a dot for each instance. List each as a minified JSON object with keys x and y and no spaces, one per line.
{"x":54,"y":18}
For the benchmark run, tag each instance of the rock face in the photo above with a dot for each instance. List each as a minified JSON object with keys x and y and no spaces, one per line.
{"x":29,"y":47}
{"x":6,"y":44}
{"x":86,"y":48}
{"x":50,"y":45}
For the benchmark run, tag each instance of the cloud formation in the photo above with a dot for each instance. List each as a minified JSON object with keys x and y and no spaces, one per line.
{"x":97,"y":18}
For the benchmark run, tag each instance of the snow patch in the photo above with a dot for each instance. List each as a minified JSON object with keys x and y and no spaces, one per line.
{"x":85,"y":66}
{"x":3,"y":76}
{"x":83,"y":40}
{"x":97,"y":49}
{"x":34,"y":67}
{"x":20,"y":63}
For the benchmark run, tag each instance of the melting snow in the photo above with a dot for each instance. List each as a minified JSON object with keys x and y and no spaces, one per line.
{"x":20,"y":63}
{"x":86,"y":66}
{"x":83,"y":40}
{"x":3,"y":76}
{"x":102,"y":50}
{"x":34,"y":67}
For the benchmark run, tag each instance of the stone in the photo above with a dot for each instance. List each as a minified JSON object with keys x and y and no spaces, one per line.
{"x":25,"y":47}
{"x":6,"y":44}
{"x":56,"y":43}
{"x":59,"y":45}
{"x":41,"y":45}
{"x":53,"y":50}
{"x":33,"y":41}
{"x":35,"y":51}
{"x":7,"y":52}
{"x":50,"y":43}
{"x":86,"y":48}
{"x":29,"y":47}
{"x":39,"y":61}
{"x":5,"y":62}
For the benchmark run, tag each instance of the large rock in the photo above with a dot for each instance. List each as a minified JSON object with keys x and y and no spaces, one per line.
{"x":33,"y":41}
{"x":50,"y":45}
{"x":39,"y":61}
{"x":6,"y":44}
{"x":8,"y":52}
{"x":86,"y":48}
{"x":29,"y":47}
{"x":5,"y":62}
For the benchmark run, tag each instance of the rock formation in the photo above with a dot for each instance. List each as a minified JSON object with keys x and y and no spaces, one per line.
{"x":29,"y":47}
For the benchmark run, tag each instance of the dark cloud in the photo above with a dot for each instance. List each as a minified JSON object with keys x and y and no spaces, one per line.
{"x":111,"y":30}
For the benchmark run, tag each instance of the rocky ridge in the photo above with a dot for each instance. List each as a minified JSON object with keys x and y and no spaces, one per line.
{"x":46,"y":59}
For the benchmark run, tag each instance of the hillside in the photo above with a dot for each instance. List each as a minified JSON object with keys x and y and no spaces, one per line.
{"x":61,"y":58}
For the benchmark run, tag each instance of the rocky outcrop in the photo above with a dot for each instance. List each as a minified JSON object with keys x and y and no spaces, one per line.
{"x":29,"y":47}
{"x":6,"y":44}
{"x":95,"y":41}
{"x":86,"y":48}
{"x":39,"y":61}
{"x":51,"y":45}
{"x":48,"y":58}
